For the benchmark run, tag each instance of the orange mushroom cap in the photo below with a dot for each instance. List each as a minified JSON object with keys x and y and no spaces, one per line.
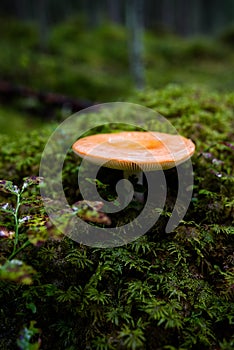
{"x":135,"y":150}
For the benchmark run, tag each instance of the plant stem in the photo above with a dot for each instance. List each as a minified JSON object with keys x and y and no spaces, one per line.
{"x":16,"y":224}
{"x":15,"y":252}
{"x":139,"y":175}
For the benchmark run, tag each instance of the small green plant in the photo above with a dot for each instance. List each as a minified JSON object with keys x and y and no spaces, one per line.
{"x":26,"y":335}
{"x":36,"y":222}
{"x":102,"y":343}
{"x":14,"y":211}
{"x":133,"y":337}
{"x":16,"y":270}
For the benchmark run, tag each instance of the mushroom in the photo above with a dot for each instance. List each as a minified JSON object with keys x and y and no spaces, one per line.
{"x":134,"y":152}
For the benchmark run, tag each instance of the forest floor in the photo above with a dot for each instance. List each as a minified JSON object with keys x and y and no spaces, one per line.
{"x":163,"y":290}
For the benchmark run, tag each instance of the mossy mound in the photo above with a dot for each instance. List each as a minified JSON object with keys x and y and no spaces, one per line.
{"x":162,"y":291}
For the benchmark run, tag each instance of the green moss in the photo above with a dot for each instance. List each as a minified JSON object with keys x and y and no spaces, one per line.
{"x":20,"y":155}
{"x":227,"y":36}
{"x":162,"y":291}
{"x":24,"y":33}
{"x":13,"y":123}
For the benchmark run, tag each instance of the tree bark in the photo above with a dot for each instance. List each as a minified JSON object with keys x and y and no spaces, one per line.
{"x":114,"y":11}
{"x":134,"y":19}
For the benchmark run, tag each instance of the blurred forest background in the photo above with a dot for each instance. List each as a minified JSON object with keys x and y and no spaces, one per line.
{"x":164,"y":290}
{"x":57,"y":57}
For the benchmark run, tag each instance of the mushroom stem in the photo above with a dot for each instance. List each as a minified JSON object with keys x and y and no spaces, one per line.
{"x":139,"y":196}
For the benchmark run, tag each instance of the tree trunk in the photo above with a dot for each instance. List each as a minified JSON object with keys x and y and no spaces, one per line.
{"x":168,"y":14}
{"x":114,"y":11}
{"x":134,"y":19}
{"x":41,"y":15}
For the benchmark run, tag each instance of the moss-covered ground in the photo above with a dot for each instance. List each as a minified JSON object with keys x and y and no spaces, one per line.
{"x":162,"y":291}
{"x":169,"y":291}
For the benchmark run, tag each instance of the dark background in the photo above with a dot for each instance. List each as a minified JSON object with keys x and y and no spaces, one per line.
{"x":181,"y":16}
